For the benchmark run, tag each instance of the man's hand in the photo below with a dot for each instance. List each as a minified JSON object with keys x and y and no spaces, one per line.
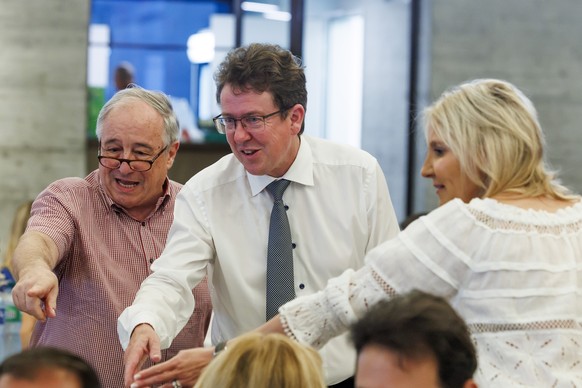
{"x":144,"y":342}
{"x":37,"y":286}
{"x":36,"y":293}
{"x":185,"y":367}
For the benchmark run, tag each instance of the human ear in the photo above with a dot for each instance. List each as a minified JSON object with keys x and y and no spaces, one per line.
{"x":296,"y":115}
{"x":173,"y":150}
{"x":470,"y":384}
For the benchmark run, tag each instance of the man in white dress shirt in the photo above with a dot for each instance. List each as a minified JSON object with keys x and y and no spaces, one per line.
{"x":337,"y":203}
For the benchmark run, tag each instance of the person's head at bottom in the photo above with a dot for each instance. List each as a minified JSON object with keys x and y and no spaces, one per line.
{"x":413,"y":340}
{"x":257,"y":360}
{"x":46,"y":367}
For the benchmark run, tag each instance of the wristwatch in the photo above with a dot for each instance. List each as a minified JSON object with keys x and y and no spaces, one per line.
{"x":221,"y":346}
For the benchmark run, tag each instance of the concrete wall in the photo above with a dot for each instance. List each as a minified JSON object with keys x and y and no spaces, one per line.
{"x":534,"y":44}
{"x":42,"y":94}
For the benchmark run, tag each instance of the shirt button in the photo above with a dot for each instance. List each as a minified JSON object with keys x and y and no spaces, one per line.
{"x":301,"y":286}
{"x":151,"y":261}
{"x":143,"y":224}
{"x":293,"y":245}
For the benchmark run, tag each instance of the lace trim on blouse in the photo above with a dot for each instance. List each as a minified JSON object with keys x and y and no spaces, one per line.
{"x":286,"y":328}
{"x":499,"y":216}
{"x":530,"y":326}
{"x":391,"y":292}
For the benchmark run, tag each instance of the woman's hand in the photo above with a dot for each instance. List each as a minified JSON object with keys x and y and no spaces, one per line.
{"x":185,"y":367}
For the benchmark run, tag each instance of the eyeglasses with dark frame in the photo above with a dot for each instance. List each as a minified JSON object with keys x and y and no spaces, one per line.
{"x":251,"y":123}
{"x":135,"y":164}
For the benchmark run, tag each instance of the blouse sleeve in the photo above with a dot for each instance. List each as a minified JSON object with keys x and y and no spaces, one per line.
{"x":317,"y":318}
{"x":420,"y":257}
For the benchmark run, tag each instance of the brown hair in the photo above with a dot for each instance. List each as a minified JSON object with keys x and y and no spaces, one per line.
{"x":418,"y":325}
{"x":264,"y":68}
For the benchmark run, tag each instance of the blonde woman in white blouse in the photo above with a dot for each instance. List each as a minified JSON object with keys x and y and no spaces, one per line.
{"x":504,"y":247}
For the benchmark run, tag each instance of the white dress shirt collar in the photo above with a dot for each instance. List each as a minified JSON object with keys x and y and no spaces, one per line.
{"x":301,"y":171}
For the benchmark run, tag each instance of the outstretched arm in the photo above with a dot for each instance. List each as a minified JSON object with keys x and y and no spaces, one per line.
{"x":36,"y":288}
{"x":144,"y":342}
{"x":186,"y":366}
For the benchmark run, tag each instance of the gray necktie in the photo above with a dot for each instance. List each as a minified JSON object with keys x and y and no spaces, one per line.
{"x":280,"y":279}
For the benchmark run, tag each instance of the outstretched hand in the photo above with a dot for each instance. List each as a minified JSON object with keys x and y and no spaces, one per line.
{"x":144,"y":343}
{"x":185,"y":368}
{"x":36,"y":293}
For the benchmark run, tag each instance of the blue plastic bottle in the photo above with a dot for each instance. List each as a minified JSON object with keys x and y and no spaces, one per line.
{"x":11,"y":316}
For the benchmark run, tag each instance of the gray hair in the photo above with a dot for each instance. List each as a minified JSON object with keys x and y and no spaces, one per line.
{"x":157,"y":100}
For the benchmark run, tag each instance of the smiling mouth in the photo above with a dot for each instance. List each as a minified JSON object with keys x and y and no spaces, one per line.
{"x":248,"y":152}
{"x":126,"y":184}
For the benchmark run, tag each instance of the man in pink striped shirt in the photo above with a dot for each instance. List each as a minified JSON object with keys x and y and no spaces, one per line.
{"x":90,"y":242}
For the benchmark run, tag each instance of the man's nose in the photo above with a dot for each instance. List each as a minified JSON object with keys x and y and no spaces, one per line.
{"x":240,"y":132}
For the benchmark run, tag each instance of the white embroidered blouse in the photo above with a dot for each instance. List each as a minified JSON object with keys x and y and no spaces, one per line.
{"x":514,"y":275}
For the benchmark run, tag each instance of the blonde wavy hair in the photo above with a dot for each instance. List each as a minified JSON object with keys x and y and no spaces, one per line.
{"x":258,"y":360}
{"x":492,"y":129}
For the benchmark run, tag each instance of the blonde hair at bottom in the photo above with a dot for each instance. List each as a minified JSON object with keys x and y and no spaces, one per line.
{"x":257,"y":360}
